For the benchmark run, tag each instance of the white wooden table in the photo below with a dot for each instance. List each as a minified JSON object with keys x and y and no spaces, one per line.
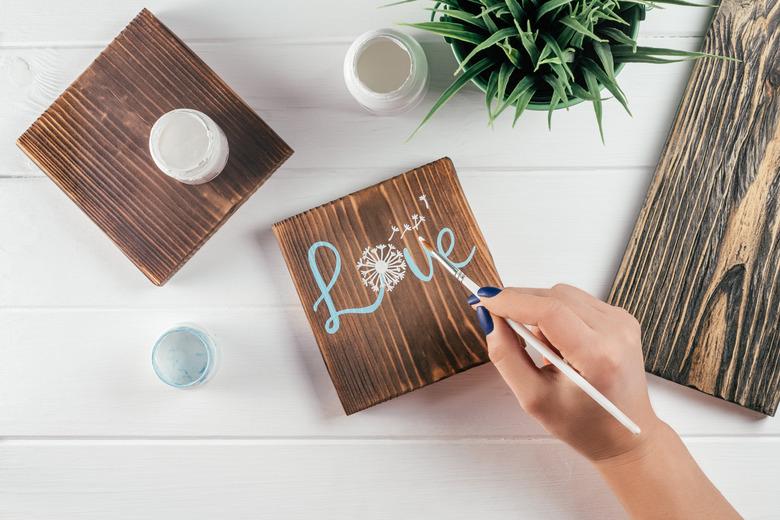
{"x":88,"y":432}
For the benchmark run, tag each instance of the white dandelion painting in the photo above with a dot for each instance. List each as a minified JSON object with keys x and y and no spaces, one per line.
{"x":381,"y":266}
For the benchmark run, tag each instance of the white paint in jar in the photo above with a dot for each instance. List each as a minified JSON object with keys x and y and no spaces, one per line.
{"x":188,"y":146}
{"x":386,"y":71}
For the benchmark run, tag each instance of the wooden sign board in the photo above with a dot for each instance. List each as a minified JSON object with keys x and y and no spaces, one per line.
{"x":93,"y":143}
{"x":702,"y":269}
{"x":386,"y":317}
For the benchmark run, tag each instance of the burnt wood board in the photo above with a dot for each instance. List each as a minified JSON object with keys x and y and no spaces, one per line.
{"x":93,"y":143}
{"x":420,"y":331}
{"x":702,"y":268}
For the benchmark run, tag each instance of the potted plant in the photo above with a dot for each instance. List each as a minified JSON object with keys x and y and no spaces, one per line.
{"x":544,"y":54}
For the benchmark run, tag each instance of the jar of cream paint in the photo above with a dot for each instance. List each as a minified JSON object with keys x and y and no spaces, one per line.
{"x":188,"y":146}
{"x":185,"y":356}
{"x":386,"y":71}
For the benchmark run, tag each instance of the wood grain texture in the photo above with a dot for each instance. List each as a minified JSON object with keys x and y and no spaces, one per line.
{"x":422,"y":331}
{"x":101,"y":437}
{"x":702,"y":268}
{"x":38,"y":223}
{"x":273,"y":78}
{"x":93,"y":143}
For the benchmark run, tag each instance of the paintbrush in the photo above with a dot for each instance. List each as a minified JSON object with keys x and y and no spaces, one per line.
{"x":534,"y":343}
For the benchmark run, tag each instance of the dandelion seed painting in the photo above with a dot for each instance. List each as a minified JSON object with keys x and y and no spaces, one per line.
{"x":381,"y":266}
{"x":417,"y":219}
{"x":407,"y":227}
{"x":394,"y":230}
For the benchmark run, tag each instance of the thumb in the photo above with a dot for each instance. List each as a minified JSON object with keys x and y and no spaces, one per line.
{"x":507,"y":352}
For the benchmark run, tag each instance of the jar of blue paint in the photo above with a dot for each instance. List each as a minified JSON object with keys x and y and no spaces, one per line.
{"x":185,"y":356}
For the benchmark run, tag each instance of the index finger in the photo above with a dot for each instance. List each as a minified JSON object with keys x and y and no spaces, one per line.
{"x":559,"y":323}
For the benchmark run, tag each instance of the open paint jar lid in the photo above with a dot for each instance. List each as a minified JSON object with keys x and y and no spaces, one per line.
{"x":188,"y":146}
{"x":184,"y":356}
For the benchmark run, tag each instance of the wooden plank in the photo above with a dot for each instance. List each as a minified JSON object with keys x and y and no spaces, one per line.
{"x":404,"y":328}
{"x":242,"y":264}
{"x":94,"y":365}
{"x":70,"y":21}
{"x":702,"y":269}
{"x":343,"y":479}
{"x":275,"y":80}
{"x":93,"y":143}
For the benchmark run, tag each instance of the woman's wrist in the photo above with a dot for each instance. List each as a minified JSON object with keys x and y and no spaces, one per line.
{"x":660,"y":479}
{"x":656,"y":437}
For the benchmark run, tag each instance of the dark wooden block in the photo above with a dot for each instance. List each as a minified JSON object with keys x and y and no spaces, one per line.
{"x":421,"y":331}
{"x":702,"y":269}
{"x":93,"y":143}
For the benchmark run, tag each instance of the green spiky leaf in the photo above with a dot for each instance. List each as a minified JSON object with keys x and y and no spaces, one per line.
{"x":461,"y":15}
{"x":490,"y":94}
{"x":522,"y":102}
{"x":558,"y":85}
{"x":595,"y":98}
{"x":449,"y":30}
{"x":624,"y":52}
{"x":468,"y":74}
{"x":522,"y":86}
{"x":604,"y":53}
{"x":528,"y":39}
{"x":504,"y":75}
{"x":550,"y":6}
{"x":489,"y":42}
{"x":489,"y":23}
{"x":576,"y":26}
{"x":619,"y":36}
{"x":656,"y":3}
{"x":515,"y":9}
{"x":546,"y":52}
{"x":608,"y":82}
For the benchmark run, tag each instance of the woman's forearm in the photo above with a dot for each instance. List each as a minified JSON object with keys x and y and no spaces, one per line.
{"x":652,"y":474}
{"x":662,"y":480}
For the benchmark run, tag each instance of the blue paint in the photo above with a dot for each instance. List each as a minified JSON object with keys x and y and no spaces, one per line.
{"x":184,"y":356}
{"x":446,"y":254}
{"x":333,"y":323}
{"x":416,"y":270}
{"x":444,"y":232}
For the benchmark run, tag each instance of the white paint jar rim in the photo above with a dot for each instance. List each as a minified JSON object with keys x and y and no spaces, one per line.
{"x":405,"y":97}
{"x":209,"y":163}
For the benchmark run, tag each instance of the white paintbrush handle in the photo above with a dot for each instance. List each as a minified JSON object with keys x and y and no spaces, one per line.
{"x":544,"y":350}
{"x":534,"y":343}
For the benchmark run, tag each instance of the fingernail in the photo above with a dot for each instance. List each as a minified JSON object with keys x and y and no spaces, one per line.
{"x":488,"y":292}
{"x":473,"y":299}
{"x":485,"y":320}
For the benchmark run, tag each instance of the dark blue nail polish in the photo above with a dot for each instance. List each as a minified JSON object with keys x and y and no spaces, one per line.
{"x":488,"y":292}
{"x":473,"y":299}
{"x":485,"y":320}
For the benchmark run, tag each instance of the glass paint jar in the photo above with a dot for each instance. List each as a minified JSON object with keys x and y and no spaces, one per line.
{"x":386,"y":71}
{"x":187,"y":145}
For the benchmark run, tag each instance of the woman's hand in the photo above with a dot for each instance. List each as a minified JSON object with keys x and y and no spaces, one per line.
{"x":600,"y":341}
{"x":652,"y":473}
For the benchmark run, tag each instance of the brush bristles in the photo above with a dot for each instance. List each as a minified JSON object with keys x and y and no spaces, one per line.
{"x":425,"y":244}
